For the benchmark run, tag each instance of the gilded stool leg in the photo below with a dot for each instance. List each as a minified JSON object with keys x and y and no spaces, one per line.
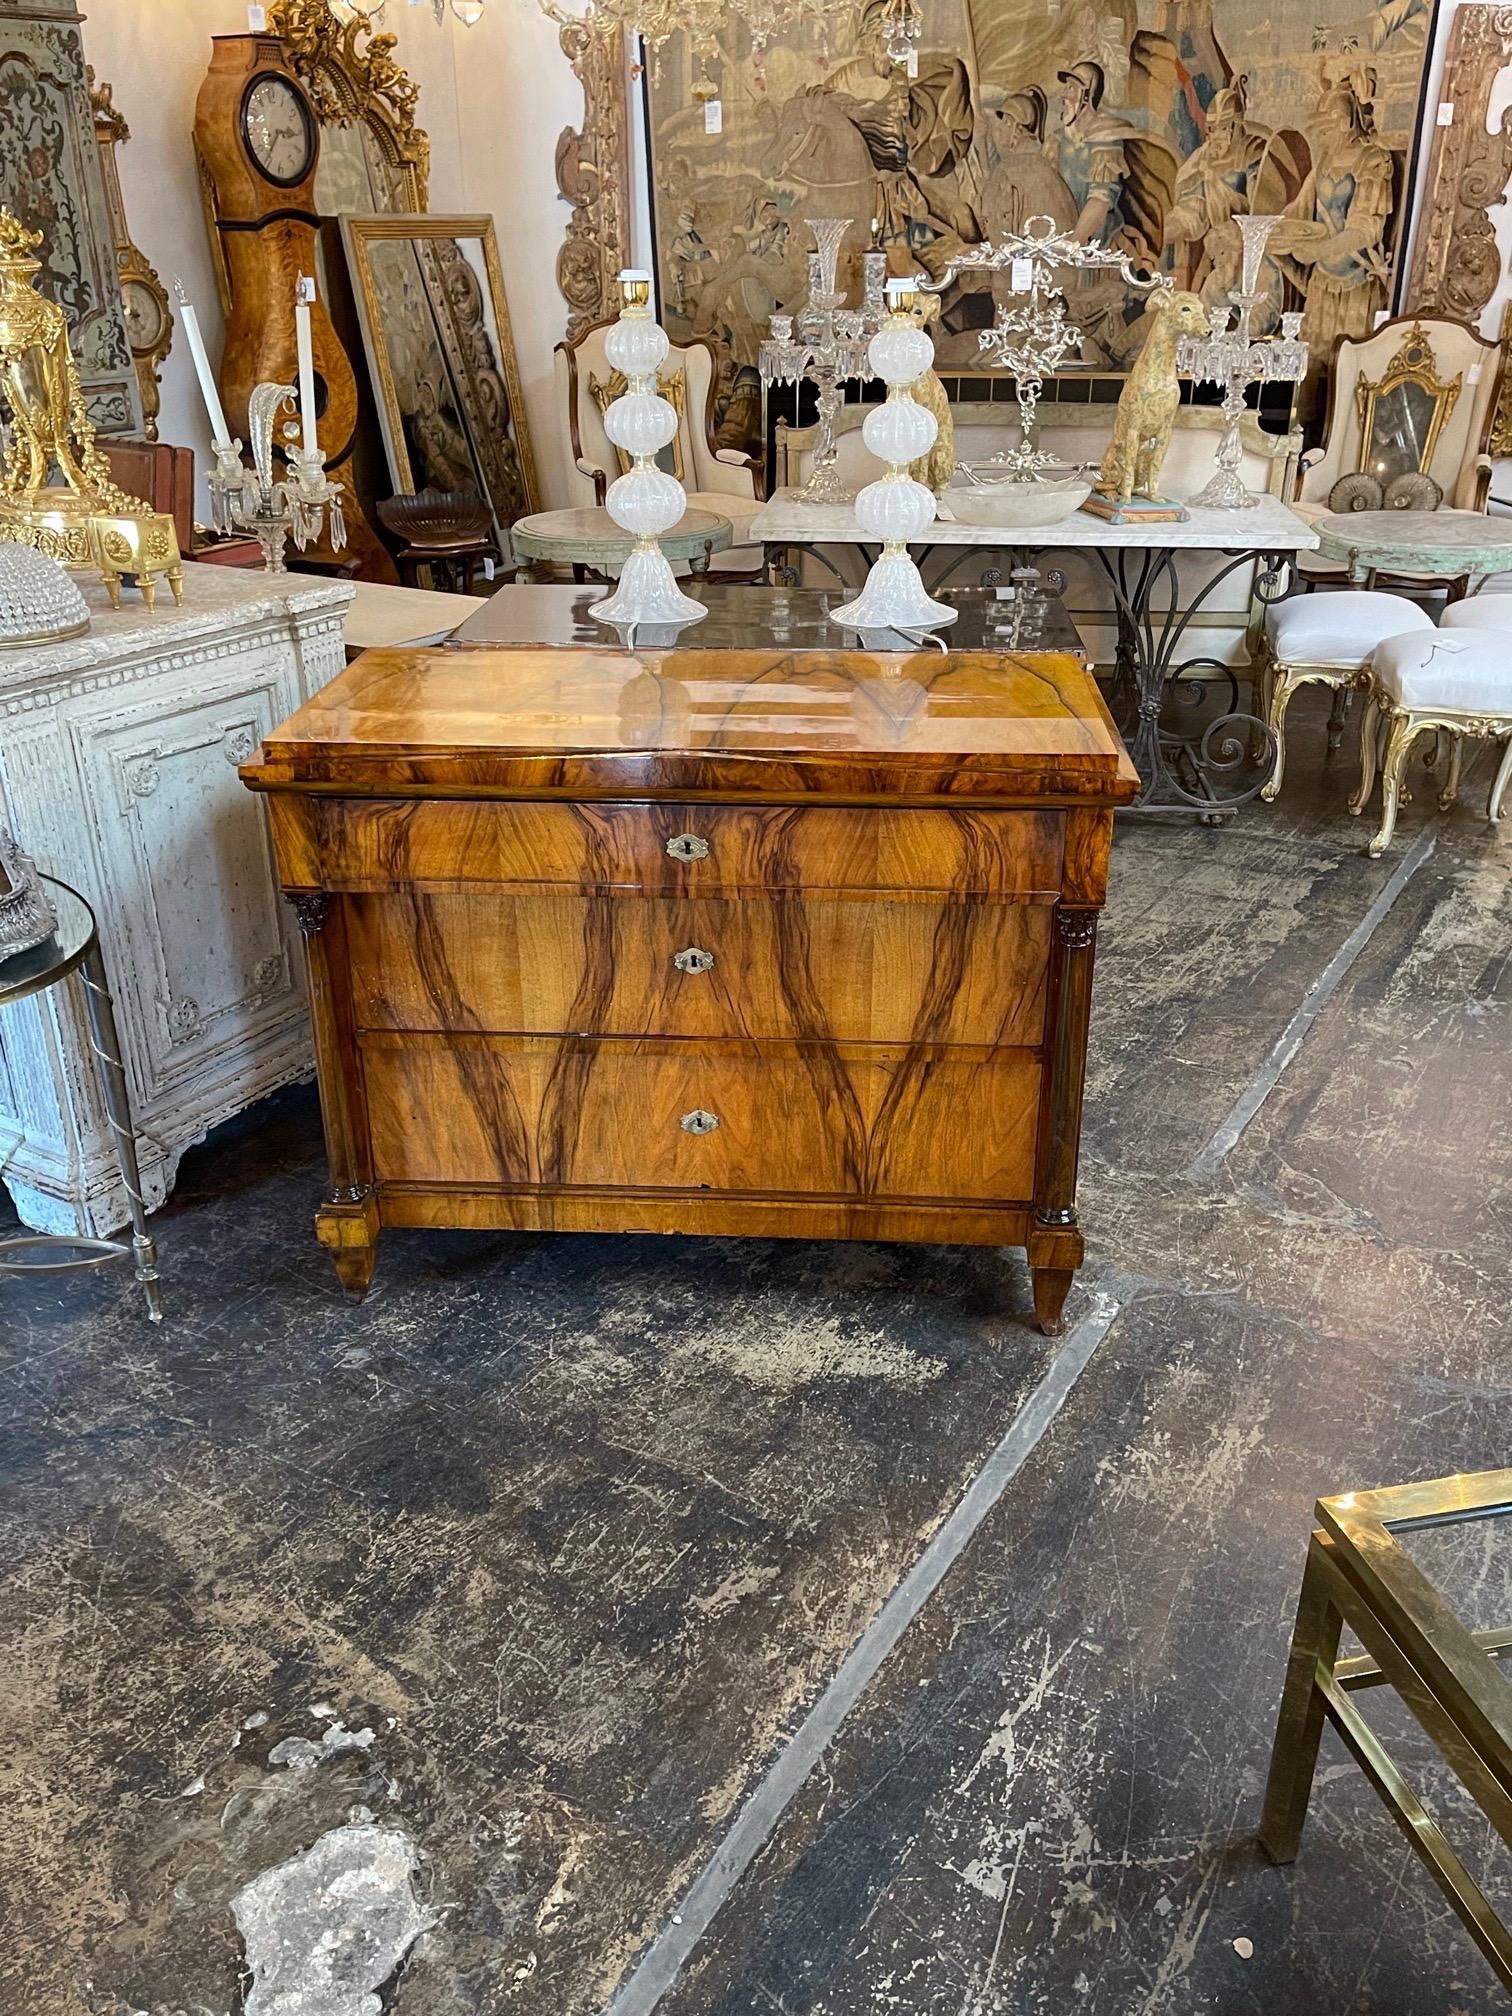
{"x":1370,"y":742}
{"x":1336,"y":718}
{"x":1400,"y":737}
{"x":1451,"y":783}
{"x":1299,"y":1725}
{"x":1281,"y":691}
{"x":1499,"y":785}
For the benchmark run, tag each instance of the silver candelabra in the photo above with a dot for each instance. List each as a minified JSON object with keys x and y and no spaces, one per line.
{"x":1032,"y":336}
{"x":827,"y":346}
{"x":1230,"y":356}
{"x":254,"y":500}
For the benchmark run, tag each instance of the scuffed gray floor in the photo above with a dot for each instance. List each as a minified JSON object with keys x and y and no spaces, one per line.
{"x":536,"y":1561}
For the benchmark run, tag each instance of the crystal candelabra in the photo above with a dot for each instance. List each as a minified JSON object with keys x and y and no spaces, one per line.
{"x":1032,"y":336}
{"x":828,"y":348}
{"x":645,"y":500}
{"x":1228,"y":355}
{"x":897,"y":509}
{"x":253,"y":500}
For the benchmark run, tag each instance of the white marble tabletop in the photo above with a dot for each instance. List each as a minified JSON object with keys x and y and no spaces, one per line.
{"x":214,"y":598}
{"x":1267,"y":527}
{"x":383,"y":615}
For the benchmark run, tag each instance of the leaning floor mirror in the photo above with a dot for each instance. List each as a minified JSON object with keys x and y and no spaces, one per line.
{"x":435,"y":328}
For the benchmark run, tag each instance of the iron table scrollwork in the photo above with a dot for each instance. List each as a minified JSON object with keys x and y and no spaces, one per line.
{"x":74,"y":949}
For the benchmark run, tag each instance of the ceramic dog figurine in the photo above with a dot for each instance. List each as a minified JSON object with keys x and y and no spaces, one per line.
{"x":937,"y":467}
{"x":1147,"y":406}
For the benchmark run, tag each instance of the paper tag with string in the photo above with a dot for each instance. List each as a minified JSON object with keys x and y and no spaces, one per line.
{"x":714,"y":116}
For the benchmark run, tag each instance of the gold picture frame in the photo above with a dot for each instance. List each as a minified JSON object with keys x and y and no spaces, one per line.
{"x":436,"y":333}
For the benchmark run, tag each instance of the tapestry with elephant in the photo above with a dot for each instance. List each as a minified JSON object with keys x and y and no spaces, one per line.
{"x":1145,"y":126}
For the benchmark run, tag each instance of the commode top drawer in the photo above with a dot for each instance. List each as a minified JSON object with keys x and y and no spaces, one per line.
{"x":688,"y":850}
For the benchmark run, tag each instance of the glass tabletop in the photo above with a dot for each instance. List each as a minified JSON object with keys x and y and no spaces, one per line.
{"x":1019,"y":617}
{"x":1469,"y":1561}
{"x":46,"y":964}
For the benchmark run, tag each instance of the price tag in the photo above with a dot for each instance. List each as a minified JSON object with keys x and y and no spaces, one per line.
{"x":1021,"y":275}
{"x":1007,"y":593}
{"x":911,"y":63}
{"x":1446,"y":113}
{"x":257,"y":19}
{"x":714,"y":116}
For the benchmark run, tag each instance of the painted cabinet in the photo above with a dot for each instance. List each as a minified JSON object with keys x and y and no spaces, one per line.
{"x":118,"y":755}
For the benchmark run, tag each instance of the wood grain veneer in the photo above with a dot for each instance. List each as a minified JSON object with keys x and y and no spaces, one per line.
{"x":784,"y":944}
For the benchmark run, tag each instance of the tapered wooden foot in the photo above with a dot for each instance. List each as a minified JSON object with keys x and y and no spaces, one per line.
{"x":1051,"y":1286}
{"x":349,"y":1233}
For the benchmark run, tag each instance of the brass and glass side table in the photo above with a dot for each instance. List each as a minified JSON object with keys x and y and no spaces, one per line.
{"x":1359,"y":1573}
{"x":74,"y":950}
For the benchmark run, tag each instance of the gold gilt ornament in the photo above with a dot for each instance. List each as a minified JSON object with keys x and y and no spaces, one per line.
{"x":84,"y":520}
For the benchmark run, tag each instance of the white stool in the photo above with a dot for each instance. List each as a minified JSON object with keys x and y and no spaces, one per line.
{"x":1324,"y":640}
{"x":1456,"y":683}
{"x":1478,"y":612}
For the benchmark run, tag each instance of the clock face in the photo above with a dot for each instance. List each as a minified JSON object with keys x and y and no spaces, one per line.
{"x":144,"y":316}
{"x":277,"y":130}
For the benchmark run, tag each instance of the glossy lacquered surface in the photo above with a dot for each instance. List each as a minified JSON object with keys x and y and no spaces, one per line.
{"x":924,"y":726}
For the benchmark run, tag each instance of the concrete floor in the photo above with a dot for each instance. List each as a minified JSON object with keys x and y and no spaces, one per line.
{"x":546,"y":1554}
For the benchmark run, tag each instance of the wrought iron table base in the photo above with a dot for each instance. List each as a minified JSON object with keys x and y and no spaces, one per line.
{"x":141,"y":1250}
{"x":1181,"y":773}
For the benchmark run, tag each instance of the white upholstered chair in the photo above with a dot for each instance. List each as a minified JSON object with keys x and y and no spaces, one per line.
{"x":1451,"y":682}
{"x":1324,"y":640}
{"x":1418,"y":393}
{"x":716,"y":479}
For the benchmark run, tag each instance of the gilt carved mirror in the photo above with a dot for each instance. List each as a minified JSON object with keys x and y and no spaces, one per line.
{"x":1403,"y":412}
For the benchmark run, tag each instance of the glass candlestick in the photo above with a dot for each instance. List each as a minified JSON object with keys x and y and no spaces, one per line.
{"x":828,"y":349}
{"x":645,"y":501}
{"x":897,"y":509}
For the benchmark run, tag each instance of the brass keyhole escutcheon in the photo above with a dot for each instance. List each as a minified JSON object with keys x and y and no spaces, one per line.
{"x":693,"y":959}
{"x":688,"y":847}
{"x":699,"y":1122}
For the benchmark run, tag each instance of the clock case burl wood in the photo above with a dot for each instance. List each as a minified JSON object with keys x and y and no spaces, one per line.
{"x":751,"y":942}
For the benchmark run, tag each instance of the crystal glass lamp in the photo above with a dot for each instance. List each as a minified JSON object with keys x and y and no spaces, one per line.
{"x":897,"y":509}
{"x":645,"y":501}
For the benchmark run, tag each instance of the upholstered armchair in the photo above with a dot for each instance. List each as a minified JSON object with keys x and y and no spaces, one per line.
{"x":716,"y":479}
{"x":1418,"y":395}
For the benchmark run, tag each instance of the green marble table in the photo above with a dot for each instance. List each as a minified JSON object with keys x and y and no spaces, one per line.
{"x":588,"y":540}
{"x":1453,"y":546}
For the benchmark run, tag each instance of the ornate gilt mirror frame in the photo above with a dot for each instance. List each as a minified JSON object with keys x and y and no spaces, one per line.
{"x":1413,"y":364}
{"x":593,"y":175}
{"x":1455,"y":263}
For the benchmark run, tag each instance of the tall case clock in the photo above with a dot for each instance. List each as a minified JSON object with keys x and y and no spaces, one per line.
{"x":258,"y":140}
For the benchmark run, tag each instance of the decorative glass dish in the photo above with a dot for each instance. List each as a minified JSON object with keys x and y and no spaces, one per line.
{"x":991,"y":493}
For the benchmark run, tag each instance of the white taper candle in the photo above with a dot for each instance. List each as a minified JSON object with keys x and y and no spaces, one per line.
{"x":304,"y":294}
{"x":220,"y":433}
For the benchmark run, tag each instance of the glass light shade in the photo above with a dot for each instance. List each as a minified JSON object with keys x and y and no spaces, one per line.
{"x":899,"y":430}
{"x":637,"y":346}
{"x":641,"y":423}
{"x":646,"y":502}
{"x":895,"y":510}
{"x":899,"y":353}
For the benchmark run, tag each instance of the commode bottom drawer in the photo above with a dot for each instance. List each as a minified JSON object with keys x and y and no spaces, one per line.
{"x":809,"y":1119}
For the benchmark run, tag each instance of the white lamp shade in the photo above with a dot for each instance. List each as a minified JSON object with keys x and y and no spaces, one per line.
{"x":636,"y":346}
{"x":900,"y":430}
{"x":646,"y":502}
{"x":642,"y":423}
{"x":897,"y":508}
{"x":898,"y":354}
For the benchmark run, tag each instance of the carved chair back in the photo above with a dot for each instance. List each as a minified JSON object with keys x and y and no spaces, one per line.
{"x":586,"y":383}
{"x":1420,"y":391}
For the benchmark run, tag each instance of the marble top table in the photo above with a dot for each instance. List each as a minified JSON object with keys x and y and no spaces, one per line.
{"x":589,"y":538}
{"x":1204,"y":775}
{"x":1446,"y":545}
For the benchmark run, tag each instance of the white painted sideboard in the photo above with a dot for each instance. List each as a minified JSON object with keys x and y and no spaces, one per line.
{"x":118,"y":755}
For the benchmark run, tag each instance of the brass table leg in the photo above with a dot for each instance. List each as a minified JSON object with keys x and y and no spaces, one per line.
{"x":1299,"y":1726}
{"x":107,"y":1049}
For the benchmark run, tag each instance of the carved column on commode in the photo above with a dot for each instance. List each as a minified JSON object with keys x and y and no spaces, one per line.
{"x":1055,"y":1241}
{"x":347,"y":1222}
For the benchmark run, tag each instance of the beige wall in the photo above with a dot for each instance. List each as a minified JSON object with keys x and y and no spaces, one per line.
{"x":493,"y":99}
